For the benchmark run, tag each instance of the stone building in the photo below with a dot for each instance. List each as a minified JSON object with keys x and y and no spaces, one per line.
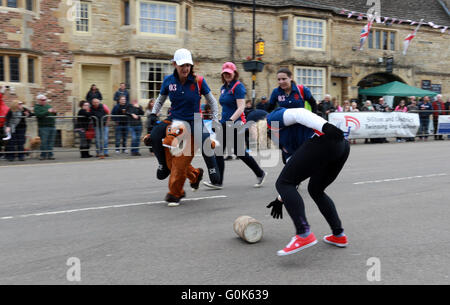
{"x":61,"y":47}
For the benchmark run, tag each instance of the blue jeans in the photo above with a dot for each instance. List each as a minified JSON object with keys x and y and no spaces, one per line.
{"x":47,"y":135}
{"x":136,"y":132}
{"x":121,"y":133}
{"x":101,"y":136}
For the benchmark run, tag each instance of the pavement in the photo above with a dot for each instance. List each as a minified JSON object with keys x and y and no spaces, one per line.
{"x":94,"y":221}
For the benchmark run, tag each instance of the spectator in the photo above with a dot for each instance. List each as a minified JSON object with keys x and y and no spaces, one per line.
{"x":248,"y":108}
{"x":411,"y":100}
{"x":3,"y":112}
{"x":101,"y":112}
{"x":120,"y":118}
{"x":382,"y":106}
{"x":337,"y":107}
{"x":368,"y":106}
{"x":135,"y":111}
{"x":16,"y":126}
{"x":84,"y":128}
{"x":424,"y":116}
{"x":346,"y":106}
{"x":354,"y":107}
{"x":93,"y":93}
{"x":263,"y":104}
{"x":122,"y":92}
{"x":412,"y":107}
{"x":447,"y":107}
{"x":325,"y":107}
{"x":149,"y":108}
{"x":439,"y":107}
{"x":46,"y":123}
{"x":401,"y":107}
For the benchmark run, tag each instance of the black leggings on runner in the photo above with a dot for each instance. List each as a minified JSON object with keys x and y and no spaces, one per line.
{"x":320,"y":159}
{"x":240,"y":152}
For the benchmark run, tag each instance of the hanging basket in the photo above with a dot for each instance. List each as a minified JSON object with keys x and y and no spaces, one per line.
{"x":253,"y":66}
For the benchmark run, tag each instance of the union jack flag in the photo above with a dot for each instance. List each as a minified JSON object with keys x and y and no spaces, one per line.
{"x":365,"y":33}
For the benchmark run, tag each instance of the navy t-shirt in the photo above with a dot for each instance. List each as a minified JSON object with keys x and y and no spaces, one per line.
{"x":293,"y":100}
{"x":228,"y":99}
{"x":185,"y":99}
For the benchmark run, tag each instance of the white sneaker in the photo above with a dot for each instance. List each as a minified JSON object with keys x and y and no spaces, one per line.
{"x":213,"y":186}
{"x":117,"y":151}
{"x":260,"y":181}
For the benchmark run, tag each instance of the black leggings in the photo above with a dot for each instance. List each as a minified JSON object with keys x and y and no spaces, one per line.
{"x":320,"y":159}
{"x":240,"y":153}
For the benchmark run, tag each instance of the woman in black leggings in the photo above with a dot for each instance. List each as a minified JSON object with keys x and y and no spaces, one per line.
{"x":313,"y":149}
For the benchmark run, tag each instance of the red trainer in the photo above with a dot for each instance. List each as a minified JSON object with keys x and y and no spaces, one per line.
{"x":297,"y":244}
{"x":341,"y":242}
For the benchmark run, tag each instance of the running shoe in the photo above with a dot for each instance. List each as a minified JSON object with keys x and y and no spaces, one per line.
{"x":196,"y":185}
{"x":212,"y":185}
{"x":162,"y":172}
{"x":297,"y":244}
{"x":260,"y":180}
{"x":340,"y":242}
{"x":173,"y":201}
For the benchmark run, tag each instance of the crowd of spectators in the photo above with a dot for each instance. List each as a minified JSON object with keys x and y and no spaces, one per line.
{"x":94,"y":119}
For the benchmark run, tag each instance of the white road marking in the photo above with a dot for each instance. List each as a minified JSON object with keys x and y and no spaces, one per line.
{"x":103,"y":208}
{"x":399,"y":179}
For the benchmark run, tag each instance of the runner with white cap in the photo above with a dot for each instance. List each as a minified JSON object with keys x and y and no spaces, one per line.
{"x":184,"y":89}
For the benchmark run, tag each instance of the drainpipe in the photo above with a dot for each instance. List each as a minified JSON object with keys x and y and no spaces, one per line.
{"x":233,"y":33}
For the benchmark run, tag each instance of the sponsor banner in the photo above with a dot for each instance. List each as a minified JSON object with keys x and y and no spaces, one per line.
{"x":444,"y":124}
{"x":376,"y":124}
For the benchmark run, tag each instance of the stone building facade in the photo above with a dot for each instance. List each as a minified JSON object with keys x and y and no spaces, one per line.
{"x":61,"y":47}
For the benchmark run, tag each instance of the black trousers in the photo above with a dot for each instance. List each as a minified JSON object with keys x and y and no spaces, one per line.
{"x":240,"y":152}
{"x":321,"y":159}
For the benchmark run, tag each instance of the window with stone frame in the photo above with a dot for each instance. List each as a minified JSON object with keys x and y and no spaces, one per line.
{"x":14,"y":69}
{"x":2,"y":68}
{"x":382,"y":40}
{"x":151,"y":75}
{"x":82,"y":17}
{"x":309,"y":33}
{"x":313,"y":78}
{"x":11,"y":3}
{"x":158,"y":18}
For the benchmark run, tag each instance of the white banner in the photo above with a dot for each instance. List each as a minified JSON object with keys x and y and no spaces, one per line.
{"x":376,"y":124}
{"x":444,"y":124}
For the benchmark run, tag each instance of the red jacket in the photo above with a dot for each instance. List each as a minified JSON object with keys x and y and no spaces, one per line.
{"x":3,"y":110}
{"x":435,"y":106}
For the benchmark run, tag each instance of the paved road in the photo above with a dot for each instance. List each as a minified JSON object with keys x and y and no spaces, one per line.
{"x":393,"y":200}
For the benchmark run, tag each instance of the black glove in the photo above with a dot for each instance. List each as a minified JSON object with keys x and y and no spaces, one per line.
{"x":152,"y":119}
{"x":332,"y":132}
{"x":277,"y":209}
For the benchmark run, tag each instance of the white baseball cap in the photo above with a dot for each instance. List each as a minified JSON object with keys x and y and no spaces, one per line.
{"x":41,"y":97}
{"x":183,"y":56}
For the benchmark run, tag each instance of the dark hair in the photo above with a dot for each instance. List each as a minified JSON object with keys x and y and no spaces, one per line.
{"x":93,"y":86}
{"x":82,"y":103}
{"x":288,"y":73}
{"x":236,"y":76}
{"x":175,"y":72}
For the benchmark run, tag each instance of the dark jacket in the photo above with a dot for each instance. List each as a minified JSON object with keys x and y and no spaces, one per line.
{"x":424,"y":110}
{"x":99,"y":113}
{"x":21,"y":125}
{"x":120,"y":110}
{"x":137,"y":111}
{"x":323,"y":107}
{"x":92,"y":95}
{"x":119,"y":93}
{"x":83,"y":120}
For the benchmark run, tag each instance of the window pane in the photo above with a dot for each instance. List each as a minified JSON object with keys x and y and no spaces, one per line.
{"x":385,"y":40}
{"x":31,"y":70}
{"x":378,"y":39}
{"x":370,"y":40}
{"x":310,"y":33}
{"x":2,"y":69}
{"x":14,"y":69}
{"x":392,"y":41}
{"x":285,"y":26}
{"x":313,"y":78}
{"x":152,"y":75}
{"x":12,"y":3}
{"x":29,"y":5}
{"x":159,"y":18}
{"x":126,"y":7}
